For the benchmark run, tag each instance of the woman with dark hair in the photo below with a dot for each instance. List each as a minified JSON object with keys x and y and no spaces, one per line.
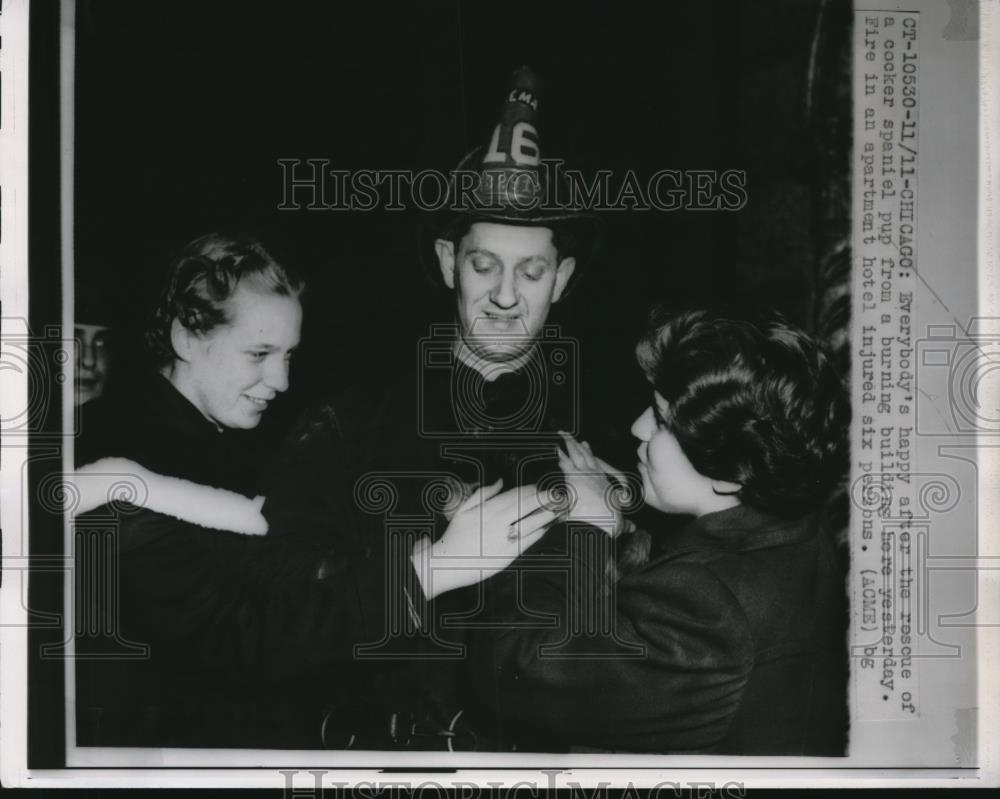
{"x":757,"y":408}
{"x":728,"y":636}
{"x":245,"y":636}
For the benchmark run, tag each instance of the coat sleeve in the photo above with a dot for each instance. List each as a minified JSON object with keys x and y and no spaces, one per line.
{"x":244,"y":604}
{"x":657,"y":663}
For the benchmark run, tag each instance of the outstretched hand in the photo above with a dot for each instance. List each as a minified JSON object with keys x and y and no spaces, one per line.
{"x":592,"y":483}
{"x":488,"y":531}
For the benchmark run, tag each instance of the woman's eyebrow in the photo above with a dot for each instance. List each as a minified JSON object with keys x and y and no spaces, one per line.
{"x":269,"y":347}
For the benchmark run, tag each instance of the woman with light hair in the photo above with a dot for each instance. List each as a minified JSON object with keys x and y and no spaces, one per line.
{"x":242,"y":630}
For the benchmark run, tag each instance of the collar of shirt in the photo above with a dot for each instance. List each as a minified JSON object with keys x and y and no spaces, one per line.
{"x":491,"y":370}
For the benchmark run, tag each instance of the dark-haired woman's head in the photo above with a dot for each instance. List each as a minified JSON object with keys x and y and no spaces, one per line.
{"x":225,"y":327}
{"x":748,"y":412}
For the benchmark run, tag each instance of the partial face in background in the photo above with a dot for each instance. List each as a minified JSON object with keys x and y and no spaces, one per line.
{"x":93,"y":360}
{"x":234,"y":371}
{"x":505,"y":279}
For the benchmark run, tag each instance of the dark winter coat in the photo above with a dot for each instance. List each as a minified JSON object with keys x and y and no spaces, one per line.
{"x":732,"y":640}
{"x":250,"y":639}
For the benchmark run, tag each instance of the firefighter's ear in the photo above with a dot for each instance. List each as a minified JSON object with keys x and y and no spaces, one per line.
{"x":446,"y":259}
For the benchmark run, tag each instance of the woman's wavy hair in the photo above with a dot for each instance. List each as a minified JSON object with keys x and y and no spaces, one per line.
{"x":204,"y":276}
{"x":751,"y":401}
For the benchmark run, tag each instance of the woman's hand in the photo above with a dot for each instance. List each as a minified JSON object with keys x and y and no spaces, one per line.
{"x":486,"y":534}
{"x":592,"y":483}
{"x":458,"y":493}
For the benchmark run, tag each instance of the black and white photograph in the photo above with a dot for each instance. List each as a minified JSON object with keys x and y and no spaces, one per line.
{"x":526,"y":386}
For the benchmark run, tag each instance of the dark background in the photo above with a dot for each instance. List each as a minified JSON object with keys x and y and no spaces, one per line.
{"x":183,"y":109}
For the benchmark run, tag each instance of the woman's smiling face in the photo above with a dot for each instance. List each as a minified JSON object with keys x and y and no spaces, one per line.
{"x":234,"y":371}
